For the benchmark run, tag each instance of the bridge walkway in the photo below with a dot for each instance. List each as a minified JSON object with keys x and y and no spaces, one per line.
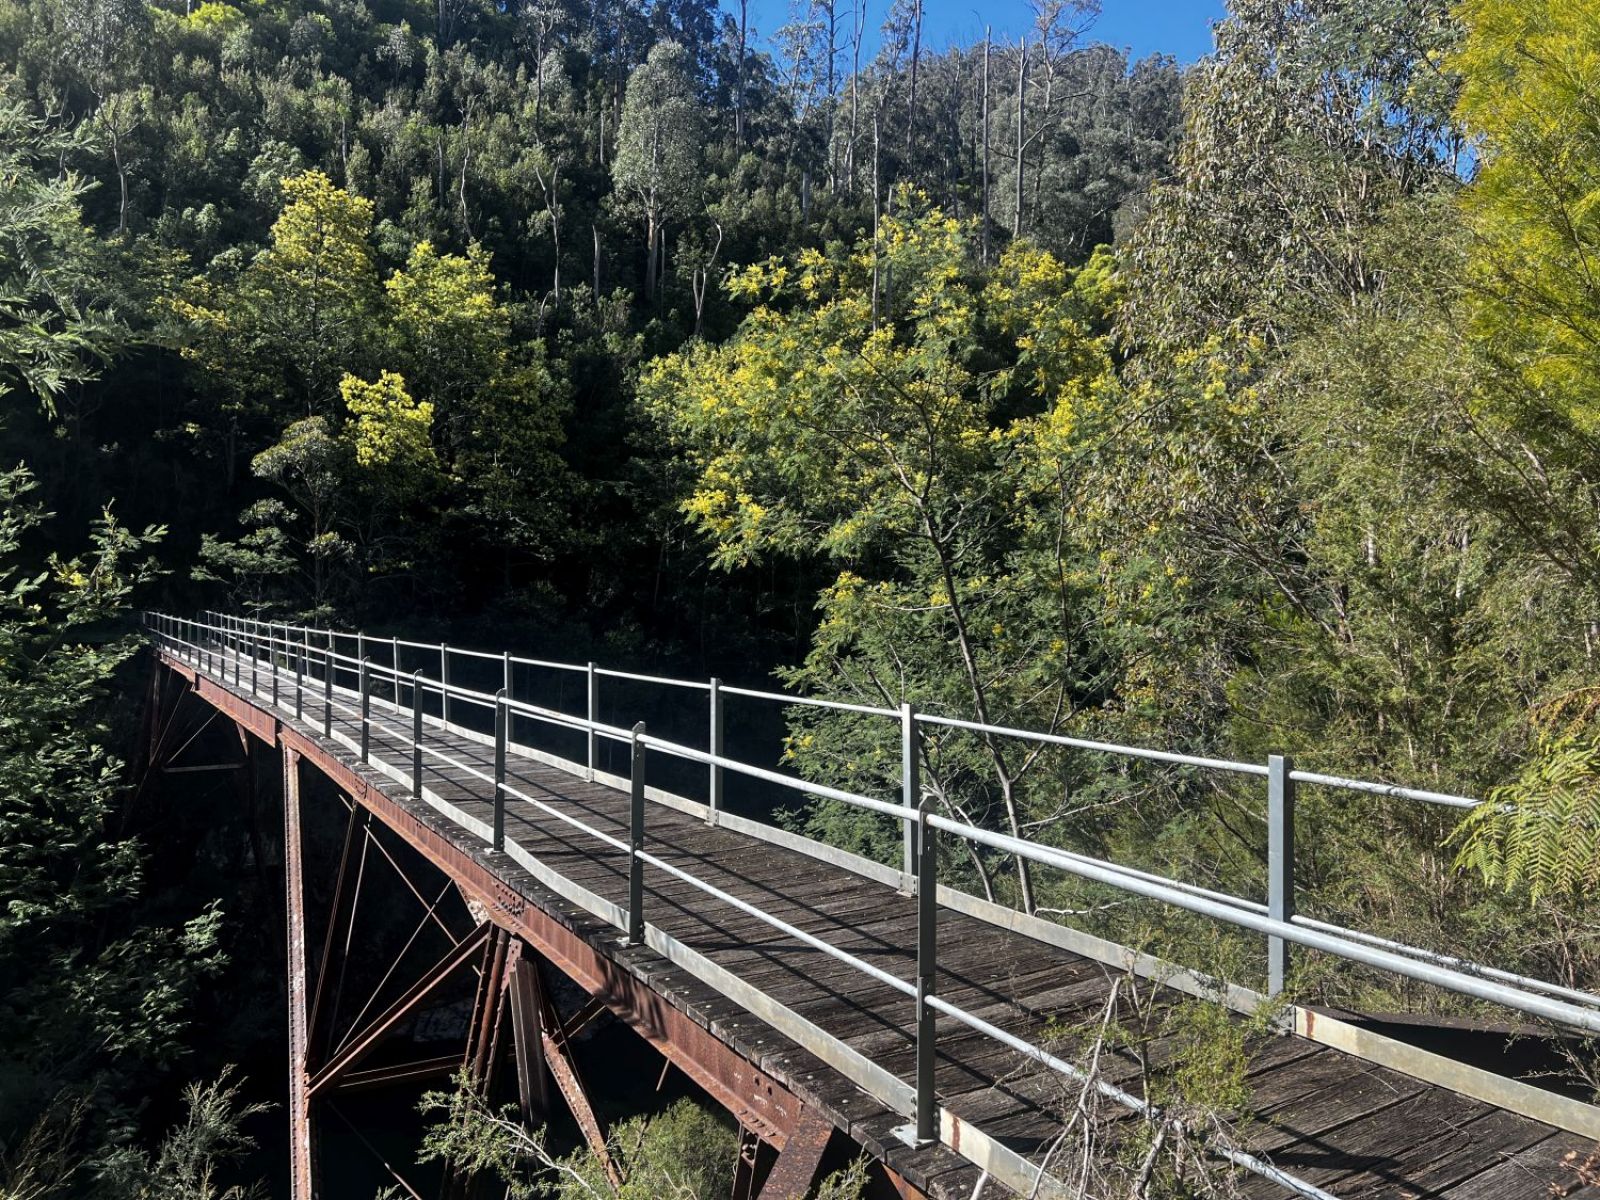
{"x":1330,"y":1119}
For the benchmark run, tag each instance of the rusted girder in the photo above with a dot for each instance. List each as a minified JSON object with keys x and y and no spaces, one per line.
{"x":409,"y":1072}
{"x":237,"y":708}
{"x":744,"y":1168}
{"x":362,"y":1044}
{"x":795,"y":1173}
{"x":302,"y":1142}
{"x":758,"y":1101}
{"x":557,"y":1057}
{"x":526,"y":993}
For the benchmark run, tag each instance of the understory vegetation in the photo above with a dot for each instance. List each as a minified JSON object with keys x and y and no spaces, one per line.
{"x":1246,"y":408}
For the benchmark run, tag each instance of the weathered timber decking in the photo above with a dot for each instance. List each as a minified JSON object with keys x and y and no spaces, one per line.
{"x":1331,"y":1119}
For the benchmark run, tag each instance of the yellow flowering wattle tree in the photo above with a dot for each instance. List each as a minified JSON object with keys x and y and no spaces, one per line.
{"x":892,"y":412}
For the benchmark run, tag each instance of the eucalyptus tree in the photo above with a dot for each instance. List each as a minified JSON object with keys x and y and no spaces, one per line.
{"x":657,"y":169}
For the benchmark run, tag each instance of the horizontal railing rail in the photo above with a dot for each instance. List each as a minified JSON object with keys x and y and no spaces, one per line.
{"x":310,"y":659}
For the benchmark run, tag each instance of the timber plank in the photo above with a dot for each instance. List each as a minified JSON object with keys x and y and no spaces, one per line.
{"x":1537,"y":1171}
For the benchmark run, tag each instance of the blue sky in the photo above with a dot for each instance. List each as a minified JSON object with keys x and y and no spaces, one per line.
{"x":1181,"y":28}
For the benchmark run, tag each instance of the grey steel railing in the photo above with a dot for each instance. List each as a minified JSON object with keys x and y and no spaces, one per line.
{"x":312,"y":659}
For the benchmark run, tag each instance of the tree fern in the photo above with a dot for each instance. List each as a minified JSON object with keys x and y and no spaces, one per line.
{"x":1542,"y":832}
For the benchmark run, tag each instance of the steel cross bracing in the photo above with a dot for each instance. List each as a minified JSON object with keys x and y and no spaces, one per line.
{"x":348,"y":698}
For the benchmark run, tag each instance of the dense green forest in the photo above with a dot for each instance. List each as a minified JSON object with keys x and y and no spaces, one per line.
{"x":1247,"y":408}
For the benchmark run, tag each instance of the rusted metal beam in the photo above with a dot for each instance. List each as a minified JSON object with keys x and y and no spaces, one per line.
{"x":526,"y":993}
{"x":483,"y":1039}
{"x":564,"y":1069}
{"x":237,"y":708}
{"x":907,"y":1189}
{"x":744,"y":1169}
{"x":795,"y":1173}
{"x":579,"y":1021}
{"x":481,"y":1035}
{"x":302,"y":1141}
{"x":333,"y":923}
{"x":361,"y":1045}
{"x":408,"y":1072}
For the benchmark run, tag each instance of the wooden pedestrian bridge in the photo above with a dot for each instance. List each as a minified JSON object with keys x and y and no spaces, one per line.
{"x":822,"y":998}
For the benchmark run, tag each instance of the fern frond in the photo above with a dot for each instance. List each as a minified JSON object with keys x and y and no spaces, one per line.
{"x":1542,"y":832}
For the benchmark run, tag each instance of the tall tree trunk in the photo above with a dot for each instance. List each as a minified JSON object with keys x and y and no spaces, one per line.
{"x":830,"y":10}
{"x":650,"y":254}
{"x":738,"y":96}
{"x":984,"y":222}
{"x":876,"y":243}
{"x":1022,"y":144}
{"x":860,"y":19}
{"x":911,"y":99}
{"x":553,"y":207}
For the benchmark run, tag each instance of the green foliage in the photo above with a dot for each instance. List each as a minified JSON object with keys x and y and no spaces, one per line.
{"x":1541,"y":833}
{"x":193,"y":1155}
{"x":1529,"y":72}
{"x":389,"y":429}
{"x":92,"y":998}
{"x":1307,"y":121}
{"x":890,"y":411}
{"x":682,"y":1153}
{"x":56,"y":321}
{"x":280,"y":331}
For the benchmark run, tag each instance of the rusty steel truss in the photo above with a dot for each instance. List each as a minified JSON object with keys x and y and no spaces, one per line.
{"x":513,"y":949}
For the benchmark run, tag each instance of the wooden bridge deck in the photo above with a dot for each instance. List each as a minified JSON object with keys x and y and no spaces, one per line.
{"x":1331,"y":1119}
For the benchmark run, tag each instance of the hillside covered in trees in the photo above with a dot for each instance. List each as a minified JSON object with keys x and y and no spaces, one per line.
{"x":1243,"y":408}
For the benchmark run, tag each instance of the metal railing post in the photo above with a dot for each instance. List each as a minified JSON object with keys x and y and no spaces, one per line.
{"x":394,"y":653}
{"x":1280,"y":864}
{"x":366,"y":709}
{"x":299,"y":682}
{"x":927,"y":968}
{"x":501,"y":717}
{"x":329,"y":659}
{"x":416,"y":733}
{"x":272,"y":661}
{"x":255,"y":655}
{"x":910,"y":793}
{"x":594,"y":717}
{"x":636,"y":841}
{"x":714,"y":801}
{"x":505,"y":682}
{"x":327,"y":690}
{"x":444,"y":682}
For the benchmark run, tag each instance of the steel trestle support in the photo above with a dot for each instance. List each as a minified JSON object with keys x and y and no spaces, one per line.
{"x":302,"y":1140}
{"x":524,"y":935}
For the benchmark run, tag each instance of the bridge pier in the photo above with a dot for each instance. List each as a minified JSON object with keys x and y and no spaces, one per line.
{"x":302,"y":1137}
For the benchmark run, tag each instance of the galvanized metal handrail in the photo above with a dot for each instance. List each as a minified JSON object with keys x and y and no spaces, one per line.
{"x":1333,"y":781}
{"x":1274,"y":919}
{"x":900,"y":811}
{"x":1449,"y":972}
